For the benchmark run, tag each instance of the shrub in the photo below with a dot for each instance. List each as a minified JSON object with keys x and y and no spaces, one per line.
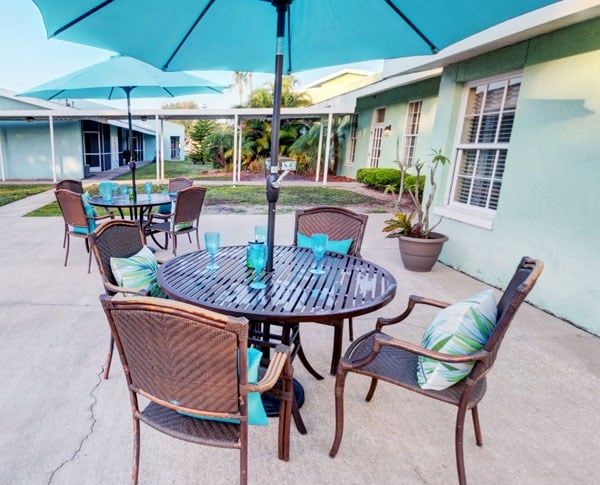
{"x":378,"y":177}
{"x":381,"y":178}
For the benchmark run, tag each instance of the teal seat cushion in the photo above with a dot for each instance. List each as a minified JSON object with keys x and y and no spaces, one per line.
{"x":257,"y":415}
{"x":138,"y":272}
{"x":89,"y":211}
{"x":459,"y":329}
{"x":337,"y":246}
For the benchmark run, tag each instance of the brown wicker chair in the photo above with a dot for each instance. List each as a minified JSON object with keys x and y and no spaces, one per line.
{"x":202,"y":357}
{"x":392,"y":360}
{"x":69,"y":184}
{"x":115,"y":239}
{"x":179,"y":183}
{"x":74,"y":186}
{"x":337,"y":223}
{"x":188,"y":206}
{"x":73,"y":212}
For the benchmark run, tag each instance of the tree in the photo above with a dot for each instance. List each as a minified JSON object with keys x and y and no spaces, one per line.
{"x":200,"y":133}
{"x":241,"y":79}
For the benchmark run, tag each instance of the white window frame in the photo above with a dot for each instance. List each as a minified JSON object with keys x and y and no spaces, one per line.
{"x":478,"y":216}
{"x":351,"y":153}
{"x":411,"y":131}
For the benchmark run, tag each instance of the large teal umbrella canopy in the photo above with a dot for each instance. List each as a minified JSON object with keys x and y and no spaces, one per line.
{"x":254,"y":35}
{"x":122,"y":77}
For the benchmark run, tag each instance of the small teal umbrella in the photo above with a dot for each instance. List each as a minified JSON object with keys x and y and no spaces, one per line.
{"x":243,"y":35}
{"x":122,"y":77}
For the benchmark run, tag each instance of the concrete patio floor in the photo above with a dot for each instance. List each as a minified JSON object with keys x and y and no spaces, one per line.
{"x":62,"y":424}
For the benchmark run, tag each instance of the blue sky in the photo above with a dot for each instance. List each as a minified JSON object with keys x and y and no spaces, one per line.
{"x":28,"y":58}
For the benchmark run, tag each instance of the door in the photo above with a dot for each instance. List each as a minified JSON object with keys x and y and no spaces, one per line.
{"x":375,"y":139}
{"x":92,"y":150}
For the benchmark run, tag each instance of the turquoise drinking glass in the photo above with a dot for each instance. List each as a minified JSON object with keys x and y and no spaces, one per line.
{"x":318,"y":244}
{"x":258,"y":259}
{"x":148,"y":189}
{"x":211,"y":241}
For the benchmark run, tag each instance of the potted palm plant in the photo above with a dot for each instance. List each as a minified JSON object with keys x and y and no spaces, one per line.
{"x":419,"y":245}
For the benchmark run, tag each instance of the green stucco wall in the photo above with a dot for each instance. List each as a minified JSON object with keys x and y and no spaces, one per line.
{"x":395,"y":102}
{"x":27,"y":155}
{"x":549,"y":200}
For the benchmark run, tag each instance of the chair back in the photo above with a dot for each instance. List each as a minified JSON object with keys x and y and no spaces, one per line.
{"x":71,"y":207}
{"x":338,"y":223}
{"x":518,"y":288}
{"x":70,"y":184}
{"x":179,"y":183}
{"x":189,"y":204}
{"x":180,"y":356}
{"x":115,"y":239}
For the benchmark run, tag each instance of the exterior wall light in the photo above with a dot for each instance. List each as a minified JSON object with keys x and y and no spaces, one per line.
{"x":387,"y":130}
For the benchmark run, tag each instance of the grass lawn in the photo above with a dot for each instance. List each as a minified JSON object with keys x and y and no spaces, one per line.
{"x":13,"y":192}
{"x":175,"y":169}
{"x":250,"y":197}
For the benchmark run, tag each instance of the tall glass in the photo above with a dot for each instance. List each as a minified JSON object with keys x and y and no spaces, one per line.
{"x":258,"y":260}
{"x":318,"y":244}
{"x":211,"y":241}
{"x":148,"y":189}
{"x":260,"y":234}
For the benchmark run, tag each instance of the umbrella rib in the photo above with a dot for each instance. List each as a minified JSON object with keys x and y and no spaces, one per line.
{"x":188,"y":33}
{"x":409,"y":22}
{"x":81,"y":17}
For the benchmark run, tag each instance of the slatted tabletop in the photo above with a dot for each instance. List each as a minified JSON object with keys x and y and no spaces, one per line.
{"x":351,"y":286}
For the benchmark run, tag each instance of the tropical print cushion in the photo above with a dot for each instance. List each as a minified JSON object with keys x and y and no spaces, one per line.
{"x":257,"y":415}
{"x":337,"y":246}
{"x":461,"y":328}
{"x":138,"y":272}
{"x":89,"y":211}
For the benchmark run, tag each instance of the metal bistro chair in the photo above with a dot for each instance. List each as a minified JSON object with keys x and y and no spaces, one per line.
{"x":77,"y":222}
{"x":202,"y":358}
{"x":338,"y":223}
{"x":183,"y":219}
{"x":115,"y":239}
{"x":382,"y":357}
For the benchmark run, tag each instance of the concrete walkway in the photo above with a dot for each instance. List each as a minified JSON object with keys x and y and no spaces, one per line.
{"x":62,"y":424}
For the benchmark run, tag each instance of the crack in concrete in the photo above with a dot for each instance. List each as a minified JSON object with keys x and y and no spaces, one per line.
{"x":88,"y":434}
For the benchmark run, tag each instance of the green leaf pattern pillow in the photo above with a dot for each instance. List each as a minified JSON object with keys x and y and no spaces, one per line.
{"x":138,"y":272}
{"x":461,"y":328}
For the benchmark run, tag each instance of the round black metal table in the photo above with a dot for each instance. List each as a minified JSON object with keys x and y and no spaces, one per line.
{"x":136,"y":207}
{"x":349,"y":287}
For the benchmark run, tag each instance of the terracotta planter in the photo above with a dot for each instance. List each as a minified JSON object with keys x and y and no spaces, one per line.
{"x":421,"y":254}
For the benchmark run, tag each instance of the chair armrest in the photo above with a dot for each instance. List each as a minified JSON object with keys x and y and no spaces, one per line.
{"x":413,"y":300}
{"x":110,"y":215}
{"x":162,"y":217}
{"x":273,"y":372}
{"x":108,"y":286}
{"x":383,"y":340}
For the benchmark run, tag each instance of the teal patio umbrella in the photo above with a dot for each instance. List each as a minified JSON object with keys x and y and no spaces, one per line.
{"x":254,"y":35}
{"x":122,"y":77}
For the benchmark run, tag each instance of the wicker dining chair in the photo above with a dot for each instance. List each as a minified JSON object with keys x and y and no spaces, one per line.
{"x":74,"y":186}
{"x":338,"y":223}
{"x":382,"y":357}
{"x":115,"y":239}
{"x":202,"y":357}
{"x":70,"y":184}
{"x":76,"y":220}
{"x":183,"y":219}
{"x":179,"y":183}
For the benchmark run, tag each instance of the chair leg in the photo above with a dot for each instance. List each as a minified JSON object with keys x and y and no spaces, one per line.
{"x":372,"y":388}
{"x":336,"y":352}
{"x":197,"y":238}
{"x":244,"y":455}
{"x":476,"y":425}
{"x":66,"y":234}
{"x":68,"y":246}
{"x":350,"y":330}
{"x":340,"y":381}
{"x":111,"y":346}
{"x":136,"y":451}
{"x":285,"y":413}
{"x":458,"y":443}
{"x":174,"y":244}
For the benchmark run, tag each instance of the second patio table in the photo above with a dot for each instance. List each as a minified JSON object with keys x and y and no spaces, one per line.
{"x":136,"y":207}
